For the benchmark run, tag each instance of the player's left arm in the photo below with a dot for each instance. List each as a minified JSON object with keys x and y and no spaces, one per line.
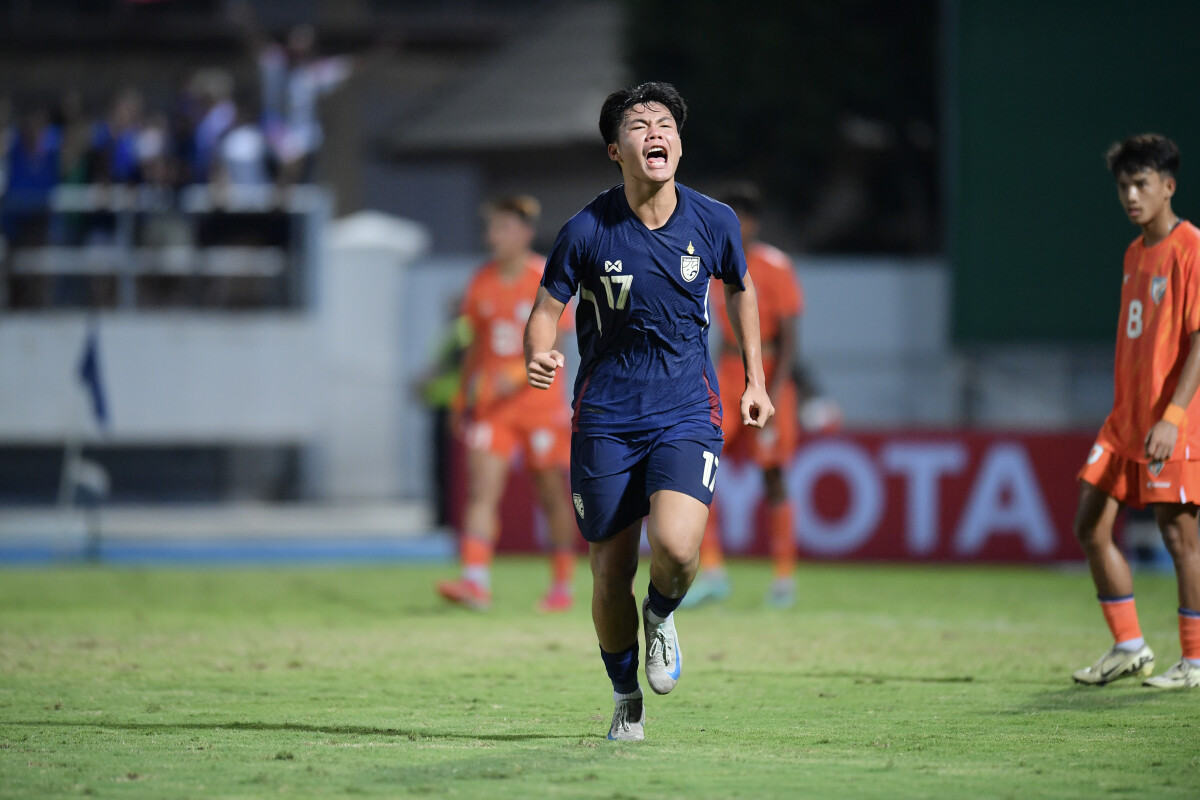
{"x":1160,"y":441}
{"x":742,"y":306}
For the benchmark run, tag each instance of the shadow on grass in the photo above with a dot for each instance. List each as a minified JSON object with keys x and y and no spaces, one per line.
{"x":1091,"y":698}
{"x":868,"y":677}
{"x":412,"y":734}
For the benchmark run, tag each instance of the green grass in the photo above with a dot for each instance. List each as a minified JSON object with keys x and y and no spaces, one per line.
{"x":884,"y":682}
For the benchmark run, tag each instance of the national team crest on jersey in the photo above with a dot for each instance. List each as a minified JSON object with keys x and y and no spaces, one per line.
{"x":578,"y":498}
{"x":689,"y":267}
{"x":1158,"y":288}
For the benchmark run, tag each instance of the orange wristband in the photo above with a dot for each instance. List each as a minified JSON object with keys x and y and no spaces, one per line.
{"x":1174,"y":415}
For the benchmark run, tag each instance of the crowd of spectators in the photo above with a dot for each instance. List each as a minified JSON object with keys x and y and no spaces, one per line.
{"x":212,"y":132}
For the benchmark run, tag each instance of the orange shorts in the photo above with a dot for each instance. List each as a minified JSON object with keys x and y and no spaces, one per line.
{"x":1138,"y":483}
{"x":544,"y":440}
{"x":774,"y":445}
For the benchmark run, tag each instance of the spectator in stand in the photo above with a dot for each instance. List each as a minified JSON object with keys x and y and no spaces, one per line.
{"x":211,"y":109}
{"x":32,"y":164}
{"x":114,"y":140}
{"x":154,"y":149}
{"x":241,"y":158}
{"x":293,"y":79}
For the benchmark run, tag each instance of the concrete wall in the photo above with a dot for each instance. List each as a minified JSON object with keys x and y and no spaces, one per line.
{"x":341,"y":378}
{"x":328,"y":377}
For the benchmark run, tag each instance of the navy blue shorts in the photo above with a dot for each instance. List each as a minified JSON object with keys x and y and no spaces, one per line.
{"x":614,"y":474}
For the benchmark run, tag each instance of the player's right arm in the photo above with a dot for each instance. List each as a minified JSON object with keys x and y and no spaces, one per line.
{"x":542,"y":361}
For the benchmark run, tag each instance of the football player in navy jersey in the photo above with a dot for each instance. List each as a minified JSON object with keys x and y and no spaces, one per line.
{"x":646,"y":430}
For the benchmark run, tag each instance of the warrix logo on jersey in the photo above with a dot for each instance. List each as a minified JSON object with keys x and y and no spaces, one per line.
{"x":612,"y":266}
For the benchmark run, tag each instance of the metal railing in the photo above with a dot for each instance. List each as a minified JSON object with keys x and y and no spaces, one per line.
{"x":134,"y":235}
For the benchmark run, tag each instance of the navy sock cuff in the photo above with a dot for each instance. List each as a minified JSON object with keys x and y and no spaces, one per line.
{"x":660,"y":604}
{"x":1121,"y":599}
{"x":1187,"y":612}
{"x":622,"y":668}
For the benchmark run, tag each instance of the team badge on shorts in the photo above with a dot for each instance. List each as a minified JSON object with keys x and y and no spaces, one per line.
{"x":1155,"y":468}
{"x":1158,"y":288}
{"x":578,"y":503}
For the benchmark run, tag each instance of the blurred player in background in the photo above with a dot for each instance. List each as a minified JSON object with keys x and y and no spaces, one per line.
{"x":1143,"y":455}
{"x":501,"y":416}
{"x":780,"y":303}
{"x":646,"y":435}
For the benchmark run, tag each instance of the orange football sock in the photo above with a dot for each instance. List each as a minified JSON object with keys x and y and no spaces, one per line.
{"x":562,"y":567}
{"x":475,"y":551}
{"x":1121,"y":615}
{"x":711,"y":555}
{"x":1189,"y":633}
{"x":783,"y":538}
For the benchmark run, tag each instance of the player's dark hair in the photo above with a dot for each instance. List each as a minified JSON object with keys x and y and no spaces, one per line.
{"x":617,"y":103}
{"x":1144,"y":151}
{"x":743,"y":198}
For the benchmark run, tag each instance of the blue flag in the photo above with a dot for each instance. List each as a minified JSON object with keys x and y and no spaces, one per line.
{"x":89,"y":373}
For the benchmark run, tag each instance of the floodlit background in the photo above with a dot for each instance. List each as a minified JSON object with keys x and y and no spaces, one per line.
{"x":226,"y":274}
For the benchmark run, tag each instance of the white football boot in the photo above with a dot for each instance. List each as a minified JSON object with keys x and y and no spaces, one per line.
{"x":629,"y":719}
{"x":1117,"y":664}
{"x":664,"y":660}
{"x":1184,"y":675}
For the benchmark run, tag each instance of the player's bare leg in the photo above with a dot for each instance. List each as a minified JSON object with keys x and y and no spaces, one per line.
{"x":487,"y":473}
{"x":782,"y":593}
{"x":1129,"y":656}
{"x":552,"y":490}
{"x":1094,"y":519}
{"x":675,"y":528}
{"x":614,"y":565}
{"x":1178,"y":524}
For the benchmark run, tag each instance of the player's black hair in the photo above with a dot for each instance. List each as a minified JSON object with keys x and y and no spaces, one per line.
{"x":617,"y":103}
{"x":743,"y":198}
{"x":1144,"y":151}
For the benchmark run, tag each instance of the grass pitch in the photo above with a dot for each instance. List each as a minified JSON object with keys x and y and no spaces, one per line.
{"x":883,"y":682}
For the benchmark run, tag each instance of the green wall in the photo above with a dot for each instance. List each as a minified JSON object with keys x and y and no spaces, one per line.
{"x":1036,"y":92}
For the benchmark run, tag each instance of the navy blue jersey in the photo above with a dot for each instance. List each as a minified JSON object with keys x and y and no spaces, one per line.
{"x":642,"y":319}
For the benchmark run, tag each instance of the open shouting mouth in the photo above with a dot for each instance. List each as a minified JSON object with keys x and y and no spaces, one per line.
{"x":657,"y":156}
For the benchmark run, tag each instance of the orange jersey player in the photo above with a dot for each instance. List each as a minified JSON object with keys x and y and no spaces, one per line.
{"x":1148,"y":452}
{"x":780,"y":304}
{"x":501,"y":416}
